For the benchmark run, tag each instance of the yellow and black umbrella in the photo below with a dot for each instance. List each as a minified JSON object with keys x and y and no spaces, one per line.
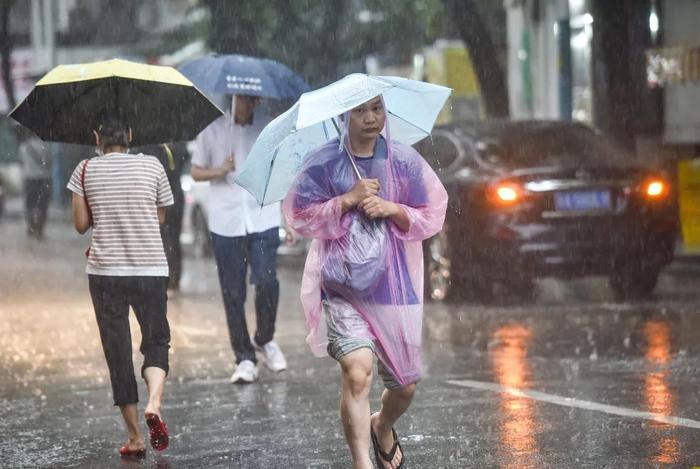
{"x":158,"y":103}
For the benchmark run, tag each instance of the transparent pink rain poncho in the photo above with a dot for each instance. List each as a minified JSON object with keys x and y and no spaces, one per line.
{"x":373,"y":267}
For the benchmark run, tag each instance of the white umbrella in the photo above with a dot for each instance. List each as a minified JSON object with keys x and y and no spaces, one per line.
{"x":278,"y":153}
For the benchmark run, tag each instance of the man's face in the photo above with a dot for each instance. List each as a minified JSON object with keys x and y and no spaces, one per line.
{"x":367,"y":120}
{"x":245,"y":105}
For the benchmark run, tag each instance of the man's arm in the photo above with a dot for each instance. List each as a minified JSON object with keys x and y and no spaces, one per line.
{"x":207,"y":174}
{"x":400,"y":218}
{"x":360,"y":191}
{"x":376,"y":207}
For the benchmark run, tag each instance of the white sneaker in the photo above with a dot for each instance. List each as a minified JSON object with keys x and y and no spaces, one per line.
{"x":273,"y":356}
{"x":246,"y":372}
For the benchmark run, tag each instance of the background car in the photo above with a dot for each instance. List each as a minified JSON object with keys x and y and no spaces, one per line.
{"x":195,"y":230}
{"x":544,"y":198}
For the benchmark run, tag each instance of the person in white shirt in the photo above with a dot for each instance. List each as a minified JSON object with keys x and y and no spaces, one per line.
{"x":36,"y":166}
{"x":243,"y":234}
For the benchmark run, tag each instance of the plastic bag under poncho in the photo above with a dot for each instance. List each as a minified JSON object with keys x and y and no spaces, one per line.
{"x":392,"y":304}
{"x":355,"y":263}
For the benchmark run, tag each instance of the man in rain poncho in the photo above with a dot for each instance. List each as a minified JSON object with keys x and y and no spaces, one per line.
{"x":362,"y":289}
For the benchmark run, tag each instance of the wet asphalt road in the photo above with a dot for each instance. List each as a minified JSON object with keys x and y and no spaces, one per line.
{"x":574,"y":379}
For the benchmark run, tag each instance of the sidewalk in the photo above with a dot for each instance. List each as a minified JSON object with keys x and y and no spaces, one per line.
{"x":684,"y":264}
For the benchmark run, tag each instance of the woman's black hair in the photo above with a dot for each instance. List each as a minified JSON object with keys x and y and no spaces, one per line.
{"x":113,"y":132}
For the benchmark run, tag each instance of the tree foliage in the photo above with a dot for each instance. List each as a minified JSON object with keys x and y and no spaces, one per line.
{"x":320,"y":38}
{"x":324,"y":39}
{"x":492,"y":77}
{"x":623,"y":103}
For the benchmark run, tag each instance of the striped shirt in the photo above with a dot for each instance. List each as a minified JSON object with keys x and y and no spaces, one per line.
{"x":123,"y":192}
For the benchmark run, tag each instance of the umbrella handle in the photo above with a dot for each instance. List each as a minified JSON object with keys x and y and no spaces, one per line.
{"x":347,"y":152}
{"x":233,"y":122}
{"x":352,"y":162}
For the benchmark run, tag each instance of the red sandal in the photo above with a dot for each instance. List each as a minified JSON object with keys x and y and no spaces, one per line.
{"x":127,"y":453}
{"x":159,"y":432}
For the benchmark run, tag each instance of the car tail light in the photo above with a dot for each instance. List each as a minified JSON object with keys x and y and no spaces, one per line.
{"x":655,"y":188}
{"x":505,"y":194}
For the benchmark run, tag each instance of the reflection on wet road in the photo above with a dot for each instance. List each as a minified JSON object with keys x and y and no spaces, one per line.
{"x":579,"y":377}
{"x":573,"y":379}
{"x":508,"y":359}
{"x":657,"y":395}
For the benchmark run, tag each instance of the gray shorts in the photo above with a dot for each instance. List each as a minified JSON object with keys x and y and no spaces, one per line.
{"x":341,"y":318}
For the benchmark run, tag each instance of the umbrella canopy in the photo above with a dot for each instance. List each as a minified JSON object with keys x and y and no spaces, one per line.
{"x":277,"y":155}
{"x":158,"y":103}
{"x":244,"y":75}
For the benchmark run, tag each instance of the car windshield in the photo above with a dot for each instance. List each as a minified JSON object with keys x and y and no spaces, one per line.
{"x":552,"y":146}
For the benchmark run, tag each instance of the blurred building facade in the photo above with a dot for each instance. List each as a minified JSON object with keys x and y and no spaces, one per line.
{"x":46,"y":33}
{"x":560,"y":67}
{"x":674,"y":66}
{"x":540,"y":68}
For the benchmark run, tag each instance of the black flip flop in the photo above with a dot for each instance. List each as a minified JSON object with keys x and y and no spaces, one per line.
{"x":380,"y":456}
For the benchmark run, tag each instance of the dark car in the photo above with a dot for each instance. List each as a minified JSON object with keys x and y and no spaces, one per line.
{"x":544,"y":198}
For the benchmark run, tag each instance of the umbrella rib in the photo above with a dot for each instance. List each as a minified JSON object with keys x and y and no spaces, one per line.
{"x":409,"y":123}
{"x":269,"y":176}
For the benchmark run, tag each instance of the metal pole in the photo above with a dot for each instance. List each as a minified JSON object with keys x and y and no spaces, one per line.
{"x":37,"y":49}
{"x":565,"y":70}
{"x":49,"y":32}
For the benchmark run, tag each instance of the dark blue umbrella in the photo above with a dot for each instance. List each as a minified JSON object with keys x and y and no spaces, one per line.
{"x":244,"y":75}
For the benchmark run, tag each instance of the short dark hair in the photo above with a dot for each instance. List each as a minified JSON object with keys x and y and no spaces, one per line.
{"x":113,"y":131}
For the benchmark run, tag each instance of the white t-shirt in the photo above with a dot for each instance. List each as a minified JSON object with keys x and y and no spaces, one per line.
{"x":123,"y":193}
{"x":36,"y":161}
{"x":232,"y":210}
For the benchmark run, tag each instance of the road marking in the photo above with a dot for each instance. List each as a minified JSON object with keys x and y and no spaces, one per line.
{"x":578,"y":403}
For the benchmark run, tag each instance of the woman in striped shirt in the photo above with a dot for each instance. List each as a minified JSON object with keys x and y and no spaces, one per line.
{"x":123,"y":198}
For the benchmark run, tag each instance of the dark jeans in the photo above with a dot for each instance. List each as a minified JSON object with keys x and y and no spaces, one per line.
{"x":37,"y":195}
{"x":233,"y":254}
{"x":111,"y":297}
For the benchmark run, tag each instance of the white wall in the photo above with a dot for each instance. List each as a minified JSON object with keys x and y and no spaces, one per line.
{"x":515,"y":25}
{"x":547,"y":83}
{"x":544,"y":59}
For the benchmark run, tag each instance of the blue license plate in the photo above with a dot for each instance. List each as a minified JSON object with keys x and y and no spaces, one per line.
{"x":579,"y":201}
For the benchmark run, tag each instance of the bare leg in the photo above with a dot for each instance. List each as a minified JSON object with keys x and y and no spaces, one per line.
{"x":155,"y":380}
{"x":130,"y":413}
{"x":394,"y":403}
{"x":356,"y":381}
